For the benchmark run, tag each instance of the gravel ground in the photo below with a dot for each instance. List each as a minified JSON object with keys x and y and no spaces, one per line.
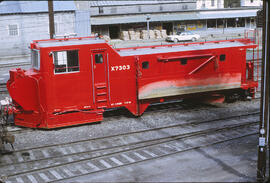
{"x":126,"y":123}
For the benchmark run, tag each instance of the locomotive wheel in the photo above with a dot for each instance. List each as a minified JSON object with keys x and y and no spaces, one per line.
{"x":230,"y":98}
{"x":233,"y":97}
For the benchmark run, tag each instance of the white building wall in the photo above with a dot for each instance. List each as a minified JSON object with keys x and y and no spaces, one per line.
{"x":210,"y":4}
{"x":251,"y":2}
{"x":30,"y":27}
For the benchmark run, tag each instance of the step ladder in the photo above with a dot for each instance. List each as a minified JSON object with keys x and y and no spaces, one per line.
{"x":101,"y":95}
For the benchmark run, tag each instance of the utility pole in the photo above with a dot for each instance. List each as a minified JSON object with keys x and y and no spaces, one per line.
{"x":264,"y":118}
{"x":51,"y":18}
{"x":148,"y":20}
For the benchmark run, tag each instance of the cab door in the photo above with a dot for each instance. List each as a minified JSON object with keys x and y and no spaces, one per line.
{"x":99,"y":78}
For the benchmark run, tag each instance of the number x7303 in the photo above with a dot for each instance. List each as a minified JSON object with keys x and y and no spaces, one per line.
{"x":120,"y":67}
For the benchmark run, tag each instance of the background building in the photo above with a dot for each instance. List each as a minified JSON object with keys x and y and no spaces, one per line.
{"x":206,"y":16}
{"x":24,"y":21}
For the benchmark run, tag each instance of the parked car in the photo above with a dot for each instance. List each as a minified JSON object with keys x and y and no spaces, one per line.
{"x":183,"y":36}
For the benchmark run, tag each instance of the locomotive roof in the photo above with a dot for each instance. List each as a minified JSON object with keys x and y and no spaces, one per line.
{"x":177,"y":48}
{"x":68,"y":42}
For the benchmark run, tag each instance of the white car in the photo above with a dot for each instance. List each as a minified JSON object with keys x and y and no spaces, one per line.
{"x":183,"y":36}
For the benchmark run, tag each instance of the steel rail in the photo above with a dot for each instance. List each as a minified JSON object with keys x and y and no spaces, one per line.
{"x":113,"y":138}
{"x":202,"y":134}
{"x":142,"y":131}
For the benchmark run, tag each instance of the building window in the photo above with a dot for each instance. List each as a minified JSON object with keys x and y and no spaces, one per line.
{"x":203,"y":3}
{"x":98,"y":58}
{"x":13,"y":30}
{"x":240,"y":22}
{"x":185,"y":7}
{"x":252,"y":22}
{"x":66,"y":61}
{"x":114,"y":10}
{"x":139,"y":8}
{"x":231,"y":22}
{"x":221,"y":23}
{"x":183,"y":61}
{"x":211,"y":23}
{"x":212,"y":2}
{"x":35,"y":59}
{"x":145,"y":65}
{"x":222,"y":57}
{"x":100,"y":10}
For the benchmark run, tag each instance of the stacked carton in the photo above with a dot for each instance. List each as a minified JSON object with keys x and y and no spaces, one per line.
{"x":134,"y":35}
{"x":157,"y":34}
{"x":163,"y":33}
{"x":131,"y":34}
{"x":106,"y":38}
{"x":125,"y":35}
{"x":138,"y":35}
{"x":152,"y":34}
{"x":144,"y":34}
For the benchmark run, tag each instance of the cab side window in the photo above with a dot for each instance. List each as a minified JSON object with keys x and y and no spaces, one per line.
{"x":183,"y":61}
{"x":222,"y":57}
{"x":66,"y":61}
{"x":35,"y":58}
{"x":98,"y":58}
{"x":145,"y":65}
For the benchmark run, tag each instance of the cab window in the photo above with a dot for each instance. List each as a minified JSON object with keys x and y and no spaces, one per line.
{"x":66,"y":61}
{"x":35,"y":59}
{"x":222,"y":57}
{"x":145,"y":65}
{"x":98,"y":58}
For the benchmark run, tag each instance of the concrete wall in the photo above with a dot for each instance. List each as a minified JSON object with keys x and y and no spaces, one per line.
{"x":31,"y":27}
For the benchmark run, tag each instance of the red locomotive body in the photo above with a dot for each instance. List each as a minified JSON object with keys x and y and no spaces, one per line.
{"x":73,"y":80}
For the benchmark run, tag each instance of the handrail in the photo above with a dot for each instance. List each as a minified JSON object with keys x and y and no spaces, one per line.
{"x":203,"y":64}
{"x":173,"y":58}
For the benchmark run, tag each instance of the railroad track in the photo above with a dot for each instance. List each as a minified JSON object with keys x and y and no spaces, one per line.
{"x":3,"y":88}
{"x":64,"y":161}
{"x":115,"y":113}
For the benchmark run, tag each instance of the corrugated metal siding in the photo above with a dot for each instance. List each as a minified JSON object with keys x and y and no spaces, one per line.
{"x":227,"y":14}
{"x":9,"y":7}
{"x":142,"y":9}
{"x":142,"y":18}
{"x":179,"y":16}
{"x":120,"y":3}
{"x":82,"y":27}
